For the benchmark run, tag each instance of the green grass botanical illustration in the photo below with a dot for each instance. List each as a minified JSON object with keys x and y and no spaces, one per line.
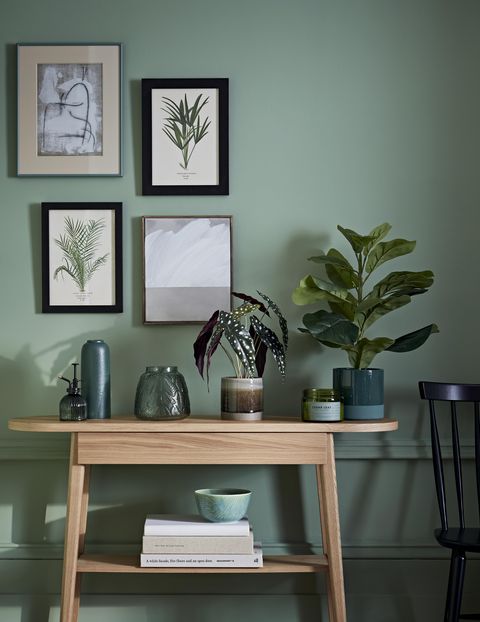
{"x":80,"y":244}
{"x":184,"y":126}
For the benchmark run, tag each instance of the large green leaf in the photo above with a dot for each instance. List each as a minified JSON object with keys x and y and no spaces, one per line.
{"x":338,"y":268}
{"x":341,"y":273}
{"x":332,"y":257}
{"x":377,"y":311}
{"x":347,"y":308}
{"x":385,"y":251}
{"x":367,"y":303}
{"x":339,"y":293}
{"x":376,"y":234}
{"x":366,"y":350}
{"x":270,"y":339}
{"x":405,"y":282}
{"x":357,"y":242}
{"x":312,"y":289}
{"x":330,"y":327}
{"x":307,"y":292}
{"x":412,"y":341}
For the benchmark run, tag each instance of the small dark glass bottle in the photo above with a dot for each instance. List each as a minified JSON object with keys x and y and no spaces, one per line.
{"x":73,"y":406}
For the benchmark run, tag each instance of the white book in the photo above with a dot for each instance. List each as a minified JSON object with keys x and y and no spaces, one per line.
{"x":186,"y":545}
{"x":192,"y":525}
{"x":204,"y":561}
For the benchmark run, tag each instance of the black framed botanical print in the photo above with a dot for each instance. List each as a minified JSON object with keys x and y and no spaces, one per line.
{"x":185,"y":136}
{"x":187,"y":268}
{"x":82,"y":258}
{"x":69,"y":109}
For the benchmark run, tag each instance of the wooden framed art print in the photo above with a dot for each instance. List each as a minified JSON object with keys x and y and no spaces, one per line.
{"x":185,"y":136}
{"x":69,"y":109}
{"x":187,"y":268}
{"x":82,"y":258}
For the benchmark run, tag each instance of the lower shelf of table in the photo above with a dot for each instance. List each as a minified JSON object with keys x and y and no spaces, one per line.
{"x":130,"y":563}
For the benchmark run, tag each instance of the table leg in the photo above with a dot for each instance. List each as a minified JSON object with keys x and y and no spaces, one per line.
{"x":77,"y":506}
{"x":329,"y":517}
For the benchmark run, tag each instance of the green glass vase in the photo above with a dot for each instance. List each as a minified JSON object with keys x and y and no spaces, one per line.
{"x":162,"y":394}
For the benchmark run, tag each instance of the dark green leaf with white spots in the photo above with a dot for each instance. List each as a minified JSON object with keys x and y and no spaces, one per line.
{"x":282,"y":321}
{"x":243,"y":310}
{"x":240,"y":341}
{"x":271,"y":341}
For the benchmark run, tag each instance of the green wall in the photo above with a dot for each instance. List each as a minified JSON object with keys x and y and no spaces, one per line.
{"x":341,"y":112}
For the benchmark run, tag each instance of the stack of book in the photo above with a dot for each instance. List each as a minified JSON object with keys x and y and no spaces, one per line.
{"x":192,"y":541}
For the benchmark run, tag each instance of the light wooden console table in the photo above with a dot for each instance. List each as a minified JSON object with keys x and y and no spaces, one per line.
{"x":126,"y":440}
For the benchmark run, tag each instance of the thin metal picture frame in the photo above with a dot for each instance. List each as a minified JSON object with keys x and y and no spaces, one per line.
{"x":82,"y":266}
{"x":69,"y":109}
{"x":185,"y":136}
{"x":187,"y":268}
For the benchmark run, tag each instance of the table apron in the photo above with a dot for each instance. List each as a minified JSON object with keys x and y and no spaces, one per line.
{"x":202,"y":448}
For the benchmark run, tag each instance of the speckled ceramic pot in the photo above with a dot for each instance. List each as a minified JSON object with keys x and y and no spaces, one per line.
{"x":242,"y":398}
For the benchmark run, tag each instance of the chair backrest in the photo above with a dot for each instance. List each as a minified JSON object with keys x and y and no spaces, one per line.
{"x":453,"y":393}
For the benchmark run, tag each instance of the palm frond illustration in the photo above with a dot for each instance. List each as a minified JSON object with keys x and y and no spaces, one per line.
{"x":184,"y":126}
{"x":80,"y":244}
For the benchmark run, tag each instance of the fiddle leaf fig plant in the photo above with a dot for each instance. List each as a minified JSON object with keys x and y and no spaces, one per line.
{"x":354,"y":308}
{"x":246,"y":337}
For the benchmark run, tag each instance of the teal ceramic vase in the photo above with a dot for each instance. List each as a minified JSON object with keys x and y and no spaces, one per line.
{"x":162,"y":394}
{"x":95,"y":371}
{"x":361,"y":391}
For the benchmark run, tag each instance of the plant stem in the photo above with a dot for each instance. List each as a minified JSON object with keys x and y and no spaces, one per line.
{"x":234,"y":362}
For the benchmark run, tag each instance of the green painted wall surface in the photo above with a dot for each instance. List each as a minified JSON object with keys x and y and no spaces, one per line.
{"x":350,"y":113}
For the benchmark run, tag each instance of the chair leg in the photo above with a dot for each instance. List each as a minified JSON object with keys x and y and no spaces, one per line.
{"x":450,"y":588}
{"x":458,"y":561}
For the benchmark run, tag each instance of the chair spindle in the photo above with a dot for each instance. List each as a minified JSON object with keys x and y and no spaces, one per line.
{"x":457,"y":465}
{"x":438,"y":468}
{"x":477,"y":452}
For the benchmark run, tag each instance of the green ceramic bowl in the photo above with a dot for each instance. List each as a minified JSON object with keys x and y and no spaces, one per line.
{"x":222,"y":505}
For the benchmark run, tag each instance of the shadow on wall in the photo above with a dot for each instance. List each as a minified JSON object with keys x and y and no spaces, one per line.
{"x":26,"y":388}
{"x":304,"y":363}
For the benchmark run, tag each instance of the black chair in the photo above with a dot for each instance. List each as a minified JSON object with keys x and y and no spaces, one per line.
{"x":459,"y":539}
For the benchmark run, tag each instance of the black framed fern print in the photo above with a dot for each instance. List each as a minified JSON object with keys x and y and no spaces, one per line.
{"x":82,"y":258}
{"x":185,"y":136}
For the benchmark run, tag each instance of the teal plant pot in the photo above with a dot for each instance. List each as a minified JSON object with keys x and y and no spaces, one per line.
{"x":361,"y":391}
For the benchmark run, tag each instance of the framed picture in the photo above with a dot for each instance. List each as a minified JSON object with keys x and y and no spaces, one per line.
{"x":185,"y":136}
{"x":69,"y":109}
{"x":82,"y":258}
{"x":187,"y":268}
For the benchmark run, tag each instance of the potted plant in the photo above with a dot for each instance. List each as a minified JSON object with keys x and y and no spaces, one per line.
{"x":245,"y":339}
{"x":353,"y":310}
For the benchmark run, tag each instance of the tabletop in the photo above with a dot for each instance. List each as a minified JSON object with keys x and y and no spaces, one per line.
{"x":129,"y":423}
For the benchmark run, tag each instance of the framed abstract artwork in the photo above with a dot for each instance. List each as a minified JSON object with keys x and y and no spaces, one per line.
{"x":82,"y":258}
{"x":185,"y":136}
{"x":187,"y":268}
{"x":69,"y":109}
